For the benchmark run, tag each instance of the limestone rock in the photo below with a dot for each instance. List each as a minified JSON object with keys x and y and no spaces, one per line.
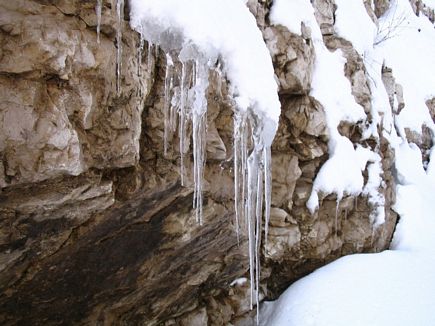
{"x":292,"y":58}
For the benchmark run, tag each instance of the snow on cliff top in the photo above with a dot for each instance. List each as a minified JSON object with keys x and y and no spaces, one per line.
{"x":224,"y":28}
{"x":410,"y":51}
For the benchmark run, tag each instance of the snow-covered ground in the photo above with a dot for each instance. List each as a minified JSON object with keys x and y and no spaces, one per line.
{"x":397,"y":286}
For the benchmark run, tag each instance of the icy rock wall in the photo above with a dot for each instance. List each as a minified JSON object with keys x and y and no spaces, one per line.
{"x":95,"y":225}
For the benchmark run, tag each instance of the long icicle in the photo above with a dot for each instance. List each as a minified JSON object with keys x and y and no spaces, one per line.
{"x":120,"y":19}
{"x":258,"y":215}
{"x":251,"y":204}
{"x":149,"y":57}
{"x":98,"y":10}
{"x":239,"y":136}
{"x":199,"y":121}
{"x":267,"y":159}
{"x":183,"y":116}
{"x":140,"y":54}
{"x":168,"y":129}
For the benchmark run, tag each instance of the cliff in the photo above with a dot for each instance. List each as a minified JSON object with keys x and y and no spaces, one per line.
{"x":95,"y":226}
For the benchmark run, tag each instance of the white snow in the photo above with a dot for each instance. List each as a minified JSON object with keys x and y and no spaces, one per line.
{"x":351,"y":19}
{"x":395,"y":287}
{"x":292,"y":13}
{"x":411,"y":68}
{"x":430,"y":3}
{"x":223,"y":28}
{"x":239,"y":281}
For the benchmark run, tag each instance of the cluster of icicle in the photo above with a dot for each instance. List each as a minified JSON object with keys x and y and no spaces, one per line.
{"x":186,"y":83}
{"x":185,"y":100}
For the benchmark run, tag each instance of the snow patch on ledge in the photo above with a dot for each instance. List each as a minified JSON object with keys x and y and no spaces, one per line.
{"x":342,"y":173}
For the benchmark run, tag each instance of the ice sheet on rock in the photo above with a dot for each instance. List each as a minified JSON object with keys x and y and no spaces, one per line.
{"x":199,"y":130}
{"x":252,"y":180}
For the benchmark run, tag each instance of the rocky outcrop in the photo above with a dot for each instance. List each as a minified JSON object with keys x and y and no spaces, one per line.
{"x":95,"y":227}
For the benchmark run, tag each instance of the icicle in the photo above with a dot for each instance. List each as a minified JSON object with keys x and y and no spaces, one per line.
{"x":336,"y":215}
{"x":240,"y":155}
{"x":199,"y":132}
{"x":218,"y":70}
{"x":157,"y":50}
{"x":139,"y":55}
{"x":250,"y":218}
{"x":120,"y":17}
{"x":149,"y":56}
{"x":182,"y":120}
{"x":98,"y":10}
{"x":258,"y":219}
{"x":167,"y":106}
{"x":267,"y":190}
{"x":254,"y":204}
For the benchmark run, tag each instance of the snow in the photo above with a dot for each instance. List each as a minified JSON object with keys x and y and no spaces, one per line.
{"x":390,"y":288}
{"x":239,"y":281}
{"x":352,"y":18}
{"x":394,"y":287}
{"x":430,"y":3}
{"x":411,"y":67}
{"x":223,"y":28}
{"x":292,"y":13}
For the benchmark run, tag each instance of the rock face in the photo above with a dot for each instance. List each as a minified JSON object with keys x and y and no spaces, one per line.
{"x":95,"y":228}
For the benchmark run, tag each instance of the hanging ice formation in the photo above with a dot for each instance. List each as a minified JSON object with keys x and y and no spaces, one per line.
{"x":252,"y":158}
{"x":120,"y":19}
{"x":98,"y":9}
{"x":252,"y":185}
{"x":190,"y":55}
{"x":189,"y":102}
